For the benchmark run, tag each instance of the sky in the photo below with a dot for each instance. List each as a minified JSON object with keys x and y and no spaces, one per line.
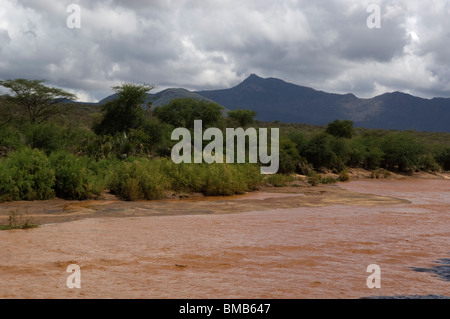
{"x":203,"y":45}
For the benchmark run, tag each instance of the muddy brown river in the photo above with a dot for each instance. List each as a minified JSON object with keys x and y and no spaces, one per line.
{"x":283,"y":243}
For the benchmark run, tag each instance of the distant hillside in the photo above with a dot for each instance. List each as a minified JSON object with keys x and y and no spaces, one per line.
{"x":164,"y":97}
{"x":274,"y":99}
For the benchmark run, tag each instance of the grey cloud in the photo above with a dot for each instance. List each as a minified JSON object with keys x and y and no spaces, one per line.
{"x":215,"y":44}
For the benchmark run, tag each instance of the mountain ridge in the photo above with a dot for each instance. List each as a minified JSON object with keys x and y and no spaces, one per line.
{"x":275,"y":99}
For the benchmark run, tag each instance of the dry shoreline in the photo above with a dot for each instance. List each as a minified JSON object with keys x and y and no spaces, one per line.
{"x":299,"y":194}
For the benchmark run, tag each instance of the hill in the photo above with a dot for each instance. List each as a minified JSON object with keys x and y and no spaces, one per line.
{"x":275,"y":99}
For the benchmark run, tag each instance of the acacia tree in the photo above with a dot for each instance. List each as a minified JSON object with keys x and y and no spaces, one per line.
{"x":35,"y":100}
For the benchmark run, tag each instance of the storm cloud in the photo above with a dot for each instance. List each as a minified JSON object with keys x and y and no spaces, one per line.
{"x":216,"y":44}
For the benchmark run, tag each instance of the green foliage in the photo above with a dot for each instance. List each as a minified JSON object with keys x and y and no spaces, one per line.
{"x":340,"y":129}
{"x":183,"y":111}
{"x":401,"y":151}
{"x":26,"y":175}
{"x":125,"y":112}
{"x":443,"y":158}
{"x":318,"y":151}
{"x":279,"y":180}
{"x":344,"y":176}
{"x":73,"y":177}
{"x":380,"y":173}
{"x":428,"y":163}
{"x":14,"y":223}
{"x":138,"y":178}
{"x":9,"y":139}
{"x":36,"y":101}
{"x":289,"y":157}
{"x":242,"y":117}
{"x":328,"y":180}
{"x":314,"y":178}
{"x":48,"y":137}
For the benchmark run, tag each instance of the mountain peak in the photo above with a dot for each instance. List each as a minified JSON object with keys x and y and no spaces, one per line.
{"x":252,"y":78}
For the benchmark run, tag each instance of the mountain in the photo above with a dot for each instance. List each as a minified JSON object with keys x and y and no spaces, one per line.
{"x":275,"y":99}
{"x":164,"y":97}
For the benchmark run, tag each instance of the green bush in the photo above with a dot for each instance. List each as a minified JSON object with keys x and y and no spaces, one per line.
{"x":380,"y":173}
{"x":314,"y":178}
{"x":26,"y":175}
{"x":318,"y":151}
{"x":428,"y":163}
{"x":344,"y":176}
{"x":48,"y":137}
{"x":138,"y":179}
{"x":401,"y":151}
{"x":289,"y":157}
{"x":73,"y":177}
{"x":328,"y":180}
{"x":443,"y":158}
{"x":280,"y":180}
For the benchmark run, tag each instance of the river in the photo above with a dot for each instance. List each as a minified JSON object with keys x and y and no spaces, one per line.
{"x":299,"y":252}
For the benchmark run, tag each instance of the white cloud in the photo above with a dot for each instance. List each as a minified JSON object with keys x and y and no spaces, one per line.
{"x":215,"y":44}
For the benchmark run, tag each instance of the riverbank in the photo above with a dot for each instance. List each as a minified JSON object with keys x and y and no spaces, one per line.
{"x":296,"y":194}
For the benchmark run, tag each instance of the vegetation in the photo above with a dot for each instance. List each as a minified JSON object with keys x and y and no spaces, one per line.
{"x":34,"y":100}
{"x":13,"y":222}
{"x":50,"y":149}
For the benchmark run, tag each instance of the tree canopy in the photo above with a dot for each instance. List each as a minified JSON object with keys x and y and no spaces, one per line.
{"x":126,"y":111}
{"x":341,"y":128}
{"x":183,"y":111}
{"x":35,"y":100}
{"x":243,"y":117}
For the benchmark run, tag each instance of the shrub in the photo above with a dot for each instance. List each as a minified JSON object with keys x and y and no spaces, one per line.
{"x":26,"y":175}
{"x":279,"y":180}
{"x":48,"y":137}
{"x":328,"y":180}
{"x":340,"y":129}
{"x":428,"y":163}
{"x":138,"y":179}
{"x":318,"y":151}
{"x":443,"y":158}
{"x":73,"y":177}
{"x":344,"y":176}
{"x":380,"y":173}
{"x":401,"y":151}
{"x":289,"y":157}
{"x":314,"y":178}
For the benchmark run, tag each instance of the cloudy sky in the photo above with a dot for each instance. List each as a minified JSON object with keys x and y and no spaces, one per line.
{"x":212,"y":44}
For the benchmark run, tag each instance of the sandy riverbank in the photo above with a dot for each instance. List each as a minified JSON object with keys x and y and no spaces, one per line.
{"x":299,"y":194}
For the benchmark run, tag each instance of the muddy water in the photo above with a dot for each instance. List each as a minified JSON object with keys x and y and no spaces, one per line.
{"x":315,"y":251}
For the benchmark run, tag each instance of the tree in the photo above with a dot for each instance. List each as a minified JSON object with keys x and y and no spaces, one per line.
{"x":401,"y":151}
{"x":182,"y":112}
{"x":340,"y":129}
{"x":289,"y":157}
{"x":318,"y":151}
{"x":243,"y":117}
{"x":125,"y":112}
{"x":36,"y":101}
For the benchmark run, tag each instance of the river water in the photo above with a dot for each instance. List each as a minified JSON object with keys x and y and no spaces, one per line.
{"x":301,"y":252}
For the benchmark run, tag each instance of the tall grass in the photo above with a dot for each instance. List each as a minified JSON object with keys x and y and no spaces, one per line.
{"x":75,"y":178}
{"x":150,"y":179}
{"x":26,"y":175}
